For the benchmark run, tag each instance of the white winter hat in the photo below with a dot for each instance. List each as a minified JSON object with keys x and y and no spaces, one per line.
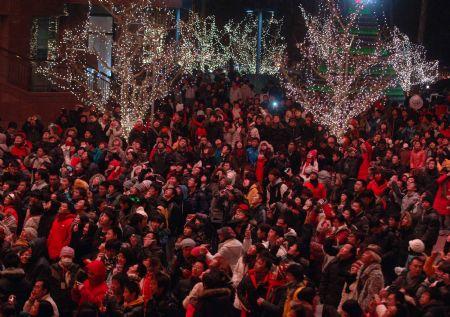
{"x":417,"y":245}
{"x":141,"y":211}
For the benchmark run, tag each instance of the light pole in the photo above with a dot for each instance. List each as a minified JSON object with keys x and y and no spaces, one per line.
{"x":177,"y":17}
{"x":258,"y":47}
{"x":259,"y":31}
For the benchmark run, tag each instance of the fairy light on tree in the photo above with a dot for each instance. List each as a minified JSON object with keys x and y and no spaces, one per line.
{"x":204,"y":40}
{"x":242,"y":40}
{"x":409,"y":62}
{"x":339,"y":76}
{"x":147,"y":61}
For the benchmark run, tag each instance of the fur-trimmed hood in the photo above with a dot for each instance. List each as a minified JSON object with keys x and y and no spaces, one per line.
{"x":12,"y":273}
{"x":215,"y":292}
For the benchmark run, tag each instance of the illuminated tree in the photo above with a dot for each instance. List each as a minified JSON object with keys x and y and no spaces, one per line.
{"x":147,"y":61}
{"x":339,"y":76}
{"x":242,"y":42}
{"x":204,"y":40}
{"x":410,"y":63}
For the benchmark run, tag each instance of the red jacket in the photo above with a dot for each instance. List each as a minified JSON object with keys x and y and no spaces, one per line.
{"x":365,"y":164}
{"x":19,"y":151}
{"x":418,"y":159}
{"x":60,"y":234}
{"x":441,"y":203}
{"x":10,"y":210}
{"x":318,"y":192}
{"x":94,"y":289}
{"x":377,"y":189}
{"x":259,"y":170}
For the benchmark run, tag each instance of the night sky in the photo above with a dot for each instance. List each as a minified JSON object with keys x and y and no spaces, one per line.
{"x":405,"y":15}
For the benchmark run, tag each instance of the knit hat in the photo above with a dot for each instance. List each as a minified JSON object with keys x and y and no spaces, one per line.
{"x":144,"y":186}
{"x":417,"y":246}
{"x":141,"y":211}
{"x":31,"y":233}
{"x":227,"y":232}
{"x":186,"y":243}
{"x":67,"y":252}
{"x":376,"y":252}
{"x":428,"y":198}
{"x":374,"y":248}
{"x":79,"y":183}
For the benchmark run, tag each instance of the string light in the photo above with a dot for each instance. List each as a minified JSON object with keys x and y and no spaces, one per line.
{"x":147,"y":61}
{"x":242,"y":42}
{"x":203,"y":43}
{"x":410,"y":63}
{"x":339,"y":76}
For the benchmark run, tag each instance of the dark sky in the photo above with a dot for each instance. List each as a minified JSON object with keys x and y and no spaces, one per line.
{"x":405,"y":15}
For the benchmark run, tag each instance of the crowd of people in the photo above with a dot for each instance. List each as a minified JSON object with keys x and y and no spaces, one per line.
{"x":226,"y":203}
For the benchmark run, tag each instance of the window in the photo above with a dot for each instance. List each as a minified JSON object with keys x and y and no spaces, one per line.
{"x":43,"y":38}
{"x":101,"y":44}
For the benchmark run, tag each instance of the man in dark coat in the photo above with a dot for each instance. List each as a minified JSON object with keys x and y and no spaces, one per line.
{"x":335,"y":275}
{"x":427,"y":227}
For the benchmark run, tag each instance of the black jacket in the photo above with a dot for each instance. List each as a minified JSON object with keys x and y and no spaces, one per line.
{"x":162,"y":306}
{"x":12,"y":282}
{"x":333,"y":279}
{"x":427,"y":228}
{"x":135,"y":310}
{"x":217,"y":302}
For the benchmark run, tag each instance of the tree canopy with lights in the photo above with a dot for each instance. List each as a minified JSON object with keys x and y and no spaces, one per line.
{"x":242,"y":41}
{"x":409,"y":62}
{"x":146,"y":60}
{"x":339,"y":76}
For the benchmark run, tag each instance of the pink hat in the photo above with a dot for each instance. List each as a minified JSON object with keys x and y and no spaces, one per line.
{"x":67,"y":252}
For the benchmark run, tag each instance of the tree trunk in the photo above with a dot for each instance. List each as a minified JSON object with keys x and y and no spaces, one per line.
{"x":422,"y":21}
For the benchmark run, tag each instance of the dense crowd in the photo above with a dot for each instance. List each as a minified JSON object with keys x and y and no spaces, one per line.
{"x":227,"y":203}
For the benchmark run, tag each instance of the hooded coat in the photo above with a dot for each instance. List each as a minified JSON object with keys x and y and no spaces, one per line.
{"x":94,"y":289}
{"x":60,"y":234}
{"x":13,"y":282}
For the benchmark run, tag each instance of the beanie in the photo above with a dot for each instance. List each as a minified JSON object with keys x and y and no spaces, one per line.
{"x":417,"y":245}
{"x":67,"y":252}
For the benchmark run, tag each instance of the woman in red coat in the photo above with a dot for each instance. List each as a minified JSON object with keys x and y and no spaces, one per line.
{"x":60,"y":232}
{"x":366,"y":150}
{"x":441,"y":201}
{"x":378,"y":185}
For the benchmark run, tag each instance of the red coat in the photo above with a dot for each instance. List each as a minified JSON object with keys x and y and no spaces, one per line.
{"x":10,"y":210}
{"x":259,"y":170}
{"x":377,"y":189}
{"x":441,"y":203}
{"x":318,"y":192}
{"x":19,"y":151}
{"x":60,"y":234}
{"x":94,"y":289}
{"x":363,"y":172}
{"x":418,"y":159}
